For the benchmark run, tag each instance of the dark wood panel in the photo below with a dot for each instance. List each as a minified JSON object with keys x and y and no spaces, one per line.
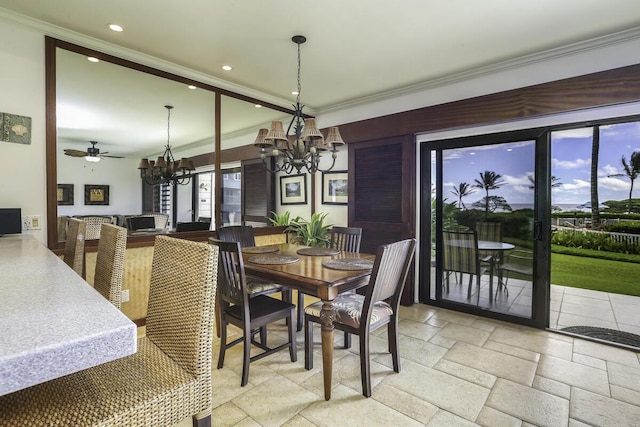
{"x":258,"y":191}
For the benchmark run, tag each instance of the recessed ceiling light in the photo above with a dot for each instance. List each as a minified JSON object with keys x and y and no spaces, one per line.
{"x":227,"y":67}
{"x":115,"y":27}
{"x":192,"y":87}
{"x":295,"y":92}
{"x":258,"y":106}
{"x":93,"y":59}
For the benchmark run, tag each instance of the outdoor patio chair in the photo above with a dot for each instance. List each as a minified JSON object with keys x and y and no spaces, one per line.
{"x":460,"y":255}
{"x":517,"y":261}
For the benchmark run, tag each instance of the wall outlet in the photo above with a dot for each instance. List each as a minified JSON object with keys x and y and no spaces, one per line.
{"x":35,"y":222}
{"x":26,"y":223}
{"x":125,"y":295}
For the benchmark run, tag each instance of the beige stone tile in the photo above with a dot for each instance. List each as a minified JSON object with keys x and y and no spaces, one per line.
{"x":298,"y":421}
{"x":454,"y":317}
{"x":226,"y":386}
{"x":606,"y":352}
{"x":624,"y":376}
{"x":536,"y":343}
{"x":492,"y":362}
{"x":598,"y":410}
{"x":585,"y":293}
{"x":447,"y":419}
{"x":574,"y":374}
{"x":576,"y":423}
{"x":619,"y":299}
{"x":465,"y":373}
{"x":566,"y":319}
{"x":417,"y":312}
{"x":552,"y":386}
{"x":463,"y":333}
{"x":634,"y":329}
{"x":513,"y":351}
{"x":247,"y":422}
{"x":345,"y":403}
{"x":420,"y":351}
{"x":589,"y":361}
{"x":417,"y":329}
{"x":528,"y":404}
{"x":437,"y":322}
{"x":461,"y":397}
{"x":489,"y":417}
{"x":443,"y":342}
{"x":604,"y":311}
{"x":227,"y":414}
{"x":484,"y":324}
{"x":265,"y":404}
{"x":625,"y":395}
{"x":404,"y":403}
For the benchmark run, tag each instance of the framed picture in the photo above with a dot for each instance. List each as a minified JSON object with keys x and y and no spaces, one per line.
{"x":335,"y":188}
{"x":293,"y":190}
{"x":96,"y":194}
{"x":65,"y":194}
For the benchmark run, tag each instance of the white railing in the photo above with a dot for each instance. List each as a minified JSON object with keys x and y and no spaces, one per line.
{"x":619,"y":237}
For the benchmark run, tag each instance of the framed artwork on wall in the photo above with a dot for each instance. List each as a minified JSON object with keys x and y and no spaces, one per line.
{"x":65,"y":194}
{"x":96,"y":194}
{"x":335,"y":188}
{"x":293,"y":190}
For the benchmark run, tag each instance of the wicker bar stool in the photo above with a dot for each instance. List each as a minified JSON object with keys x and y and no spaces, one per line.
{"x":110,"y":263}
{"x":167,"y":380}
{"x":74,"y":245}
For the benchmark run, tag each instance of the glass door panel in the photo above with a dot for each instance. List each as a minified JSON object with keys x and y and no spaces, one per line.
{"x":482,"y":220}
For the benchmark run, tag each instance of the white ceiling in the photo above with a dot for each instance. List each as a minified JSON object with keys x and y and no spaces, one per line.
{"x":356,"y":49}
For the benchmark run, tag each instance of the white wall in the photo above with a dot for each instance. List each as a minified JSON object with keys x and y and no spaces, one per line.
{"x":22,"y":92}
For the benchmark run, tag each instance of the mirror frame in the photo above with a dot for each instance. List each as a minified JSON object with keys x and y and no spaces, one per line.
{"x":51,"y":135}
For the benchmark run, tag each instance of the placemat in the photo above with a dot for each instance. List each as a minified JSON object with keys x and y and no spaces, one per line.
{"x":348,"y":264}
{"x":260,"y":249}
{"x":273,"y":259}
{"x":317,"y":251}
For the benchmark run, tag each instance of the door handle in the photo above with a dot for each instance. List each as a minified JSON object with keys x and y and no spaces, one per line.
{"x":537,"y":230}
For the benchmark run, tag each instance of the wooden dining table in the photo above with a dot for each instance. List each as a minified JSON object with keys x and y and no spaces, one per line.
{"x":308,"y":274}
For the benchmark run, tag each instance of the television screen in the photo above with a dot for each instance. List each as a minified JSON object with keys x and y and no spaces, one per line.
{"x":10,"y":221}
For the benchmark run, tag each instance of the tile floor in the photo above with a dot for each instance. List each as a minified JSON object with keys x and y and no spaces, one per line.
{"x":457,"y":370}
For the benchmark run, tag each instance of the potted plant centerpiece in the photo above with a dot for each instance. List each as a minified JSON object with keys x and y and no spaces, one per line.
{"x":312,"y":233}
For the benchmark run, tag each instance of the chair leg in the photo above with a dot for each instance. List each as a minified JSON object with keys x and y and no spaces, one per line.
{"x":300,"y":309}
{"x":263,"y":335}
{"x":246,"y":359}
{"x":392,"y":337}
{"x":365,"y":367}
{"x":347,"y":340}
{"x":223,"y":344}
{"x":293,"y":345}
{"x":308,"y":344}
{"x":202,"y":422}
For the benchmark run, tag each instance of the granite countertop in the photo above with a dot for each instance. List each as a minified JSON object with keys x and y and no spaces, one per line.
{"x":52,"y":322}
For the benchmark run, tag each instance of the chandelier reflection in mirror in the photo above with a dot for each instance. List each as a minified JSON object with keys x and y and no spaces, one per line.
{"x":301,"y":150}
{"x":166,"y":170}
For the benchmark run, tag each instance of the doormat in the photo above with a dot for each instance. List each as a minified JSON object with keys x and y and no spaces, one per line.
{"x":611,"y":335}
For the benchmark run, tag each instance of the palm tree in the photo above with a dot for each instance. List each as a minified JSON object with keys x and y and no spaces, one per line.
{"x":461,"y":191}
{"x":595,"y":204}
{"x":555,"y":182}
{"x":489,"y":180}
{"x":631,"y":171}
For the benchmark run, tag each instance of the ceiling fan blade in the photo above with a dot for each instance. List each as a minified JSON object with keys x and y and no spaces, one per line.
{"x":75,"y":153}
{"x":113,"y":157}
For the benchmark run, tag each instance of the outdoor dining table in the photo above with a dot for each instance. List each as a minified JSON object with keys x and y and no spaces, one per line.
{"x":495,"y":247}
{"x":308,"y":274}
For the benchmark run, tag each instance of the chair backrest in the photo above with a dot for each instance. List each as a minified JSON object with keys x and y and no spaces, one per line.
{"x":346,"y":238}
{"x":74,"y":245}
{"x":94,"y":224}
{"x":232,"y":282}
{"x":193,"y":226}
{"x":242,"y":234}
{"x":181,"y":302}
{"x":161,"y":219}
{"x":140,"y":222}
{"x":110,"y":263}
{"x":460,"y":251}
{"x":489,"y":231}
{"x":388,"y":276}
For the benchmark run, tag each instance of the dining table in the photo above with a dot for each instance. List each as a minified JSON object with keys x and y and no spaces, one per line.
{"x":323,"y":273}
{"x":496,"y":248}
{"x":52,"y":322}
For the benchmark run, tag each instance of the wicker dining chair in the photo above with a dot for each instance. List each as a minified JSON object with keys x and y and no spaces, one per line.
{"x":74,"y":246}
{"x":346,"y":239}
{"x":250,"y":314}
{"x":110,"y":263}
{"x":93,"y":225}
{"x":165,"y":381}
{"x":358,"y":314}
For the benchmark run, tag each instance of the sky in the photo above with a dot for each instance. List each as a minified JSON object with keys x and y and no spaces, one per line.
{"x":571,"y":164}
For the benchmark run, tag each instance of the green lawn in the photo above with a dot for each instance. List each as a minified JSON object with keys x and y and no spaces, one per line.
{"x":597,"y":274}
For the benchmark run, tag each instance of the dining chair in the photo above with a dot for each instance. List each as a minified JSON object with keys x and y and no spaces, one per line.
{"x":161,"y":219}
{"x":490,"y":231}
{"x":248,"y":314}
{"x":358,"y":314}
{"x":517,"y":261}
{"x":460,"y":255}
{"x":110,"y":263}
{"x":165,"y":381}
{"x":74,"y":245}
{"x":346,"y":239}
{"x":93,"y":225}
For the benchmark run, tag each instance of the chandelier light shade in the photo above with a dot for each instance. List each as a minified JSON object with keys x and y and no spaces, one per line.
{"x":166,"y":170}
{"x":299,"y":148}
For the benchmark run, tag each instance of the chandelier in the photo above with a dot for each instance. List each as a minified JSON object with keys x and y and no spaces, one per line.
{"x":166,"y":170}
{"x":302,"y":149}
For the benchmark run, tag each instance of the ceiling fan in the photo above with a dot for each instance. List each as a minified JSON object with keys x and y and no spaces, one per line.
{"x":92,"y":154}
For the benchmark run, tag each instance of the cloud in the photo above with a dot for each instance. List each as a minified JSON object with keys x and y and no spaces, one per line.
{"x":570,"y":164}
{"x":617,"y":184}
{"x":572,"y":134}
{"x":578,"y":184}
{"x":607,"y":170}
